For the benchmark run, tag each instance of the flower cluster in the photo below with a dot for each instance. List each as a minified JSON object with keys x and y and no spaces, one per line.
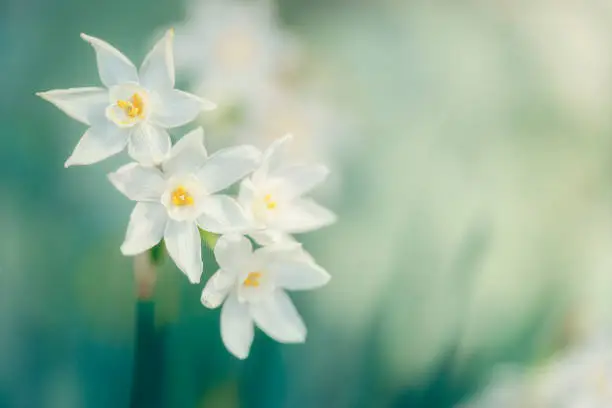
{"x":178,"y":191}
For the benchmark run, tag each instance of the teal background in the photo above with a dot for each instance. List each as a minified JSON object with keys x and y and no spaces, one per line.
{"x":474,"y":210}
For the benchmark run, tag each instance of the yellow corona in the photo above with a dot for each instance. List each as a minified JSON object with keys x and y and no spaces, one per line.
{"x":133,"y":107}
{"x":181,"y":197}
{"x":252,"y":279}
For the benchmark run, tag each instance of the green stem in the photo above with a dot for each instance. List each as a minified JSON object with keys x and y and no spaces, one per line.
{"x":147,"y":378}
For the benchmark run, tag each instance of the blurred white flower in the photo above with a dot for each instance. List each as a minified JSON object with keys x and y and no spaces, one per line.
{"x":578,"y":378}
{"x":233,"y":49}
{"x":319,"y":130}
{"x":272,"y":197}
{"x":582,"y":378}
{"x":180,"y":195}
{"x":509,"y":388}
{"x":135,"y":110}
{"x":253,"y":284}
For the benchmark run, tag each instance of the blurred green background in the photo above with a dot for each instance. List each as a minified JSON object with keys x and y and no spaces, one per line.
{"x":473,"y":189}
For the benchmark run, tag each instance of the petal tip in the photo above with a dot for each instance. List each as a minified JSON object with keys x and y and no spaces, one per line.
{"x":208,"y":105}
{"x":127,"y":251}
{"x":326,"y":277}
{"x":195,"y":278}
{"x":85,"y":37}
{"x":209,"y":301}
{"x":240,"y":355}
{"x":325,"y":171}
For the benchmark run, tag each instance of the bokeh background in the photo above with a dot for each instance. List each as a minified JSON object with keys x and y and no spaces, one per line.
{"x":471,"y":143}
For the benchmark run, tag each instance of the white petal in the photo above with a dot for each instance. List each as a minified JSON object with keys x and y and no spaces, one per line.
{"x":246,"y":194}
{"x":270,"y":236}
{"x":302,"y":215}
{"x":157,"y":69}
{"x":176,"y":108}
{"x":279,"y":319}
{"x":98,"y":143}
{"x":149,"y":144}
{"x":282,"y":251}
{"x":296,"y":275}
{"x":272,"y":159}
{"x":187,"y":155}
{"x":237,"y":329}
{"x":114,"y":67}
{"x":146,"y":228}
{"x":217,"y":288}
{"x":139,"y":183}
{"x":227,"y":166}
{"x":222,"y":215}
{"x":82,"y":104}
{"x":184,"y":246}
{"x":298,"y":180}
{"x":233,"y":252}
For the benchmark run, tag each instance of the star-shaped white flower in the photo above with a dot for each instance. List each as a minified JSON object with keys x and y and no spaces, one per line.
{"x":272,"y":197}
{"x":134,"y":109}
{"x":253,"y":284}
{"x":180,"y":195}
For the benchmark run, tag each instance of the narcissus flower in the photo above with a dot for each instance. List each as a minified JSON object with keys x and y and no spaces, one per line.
{"x":136,"y":108}
{"x":272,"y":197}
{"x":253,"y":284}
{"x":233,"y":49}
{"x":180,"y":196}
{"x":581,"y":377}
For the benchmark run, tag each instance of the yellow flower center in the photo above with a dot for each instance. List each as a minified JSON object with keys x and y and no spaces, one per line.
{"x":133,"y":107}
{"x":270,"y":203}
{"x":181,"y":197}
{"x":252,"y":279}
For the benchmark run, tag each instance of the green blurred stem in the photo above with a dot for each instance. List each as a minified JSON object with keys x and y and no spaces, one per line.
{"x":147,"y":390}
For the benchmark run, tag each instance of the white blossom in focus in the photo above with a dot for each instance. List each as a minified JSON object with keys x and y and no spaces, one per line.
{"x":134,"y":109}
{"x":272,"y":197}
{"x":180,"y":195}
{"x":232,"y":49}
{"x":253,"y":284}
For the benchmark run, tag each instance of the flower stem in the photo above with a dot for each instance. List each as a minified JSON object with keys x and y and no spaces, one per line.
{"x":148,"y":340}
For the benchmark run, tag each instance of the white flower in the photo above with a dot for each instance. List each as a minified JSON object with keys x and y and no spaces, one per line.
{"x":510,"y":387}
{"x":135,"y":110}
{"x":253,"y":286}
{"x":233,"y":49}
{"x":176,"y":198}
{"x":319,"y":130}
{"x":581,"y":378}
{"x":272,"y":197}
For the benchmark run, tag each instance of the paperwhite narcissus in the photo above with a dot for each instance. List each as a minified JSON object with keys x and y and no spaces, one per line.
{"x":253,"y":284}
{"x":272,"y":197}
{"x":180,"y":195}
{"x":580,"y":378}
{"x":233,"y":49}
{"x":135,"y":110}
